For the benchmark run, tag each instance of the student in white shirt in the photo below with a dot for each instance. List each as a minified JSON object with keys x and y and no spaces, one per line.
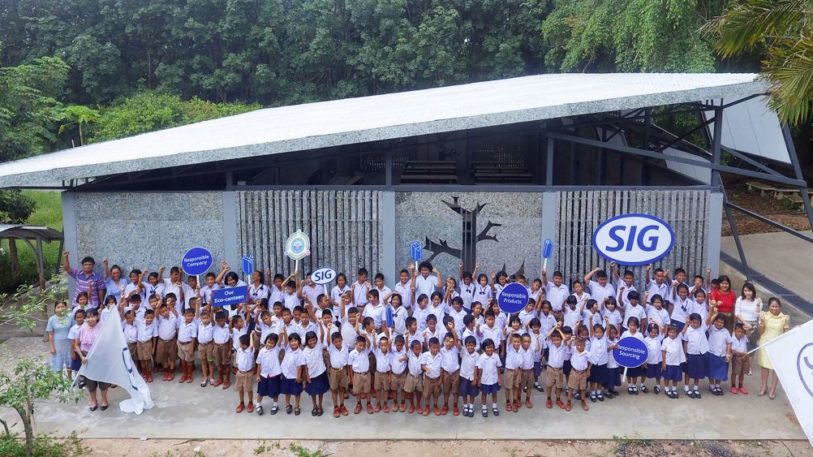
{"x":206,"y":352}
{"x":310,"y":290}
{"x":487,"y":377}
{"x":555,"y":371}
{"x":426,"y":283}
{"x":467,"y":287}
{"x":555,"y":291}
{"x":658,"y":285}
{"x":696,"y":346}
{"x":399,"y":314}
{"x":482,"y":291}
{"x":383,"y":370}
{"x":672,"y":357}
{"x":406,"y":287}
{"x":719,"y":355}
{"x":681,"y":307}
{"x":431,"y":365}
{"x":601,"y":288}
{"x":450,"y":370}
{"x":244,"y":381}
{"x":468,"y":366}
{"x":359,"y":363}
{"x":598,"y":358}
{"x":654,"y":357}
{"x":376,"y":310}
{"x":398,"y":365}
{"x":257,"y":290}
{"x":269,"y":373}
{"x":384,"y":292}
{"x":360,"y":288}
{"x":338,"y":373}
{"x":741,"y":360}
{"x":187,"y":334}
{"x":316,"y":381}
{"x":577,"y":381}
{"x":293,"y":367}
{"x":339,"y":292}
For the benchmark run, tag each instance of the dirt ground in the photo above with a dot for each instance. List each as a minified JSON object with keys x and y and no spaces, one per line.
{"x":618,"y":447}
{"x":777,"y":210}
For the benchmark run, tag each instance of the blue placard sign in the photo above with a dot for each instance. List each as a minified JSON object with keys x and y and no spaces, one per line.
{"x":230,"y":296}
{"x":248,"y":265}
{"x":415,"y":251}
{"x":630,"y":353}
{"x":547,"y":251}
{"x":196,"y":261}
{"x":634,"y":239}
{"x":513,"y":298}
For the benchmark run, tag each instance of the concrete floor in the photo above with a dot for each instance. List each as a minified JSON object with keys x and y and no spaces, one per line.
{"x":191,"y":412}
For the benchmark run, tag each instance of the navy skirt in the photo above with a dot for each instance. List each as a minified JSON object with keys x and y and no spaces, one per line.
{"x":613,"y":378}
{"x":635,"y":372}
{"x":290,"y":386}
{"x":696,"y":366}
{"x":672,"y":373}
{"x":598,"y":373}
{"x":717,"y":367}
{"x":678,"y":325}
{"x":269,"y":387}
{"x":653,"y":371}
{"x":318,"y":385}
{"x":467,"y":388}
{"x":490,"y":388}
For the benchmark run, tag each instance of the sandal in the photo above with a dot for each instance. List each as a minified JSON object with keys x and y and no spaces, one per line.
{"x":93,"y":408}
{"x":297,"y":411}
{"x":204,"y":383}
{"x":104,"y":407}
{"x":288,"y":409}
{"x":743,"y":390}
{"x":313,"y":412}
{"x":358,"y":408}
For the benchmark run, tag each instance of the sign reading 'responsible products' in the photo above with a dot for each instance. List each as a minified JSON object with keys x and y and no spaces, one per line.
{"x":630,"y":353}
{"x":634,"y":239}
{"x":196,"y":261}
{"x":513,"y":298}
{"x":230,"y":296}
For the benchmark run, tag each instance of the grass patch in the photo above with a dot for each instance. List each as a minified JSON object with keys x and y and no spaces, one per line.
{"x":44,"y":446}
{"x":48,"y":212}
{"x":301,"y":451}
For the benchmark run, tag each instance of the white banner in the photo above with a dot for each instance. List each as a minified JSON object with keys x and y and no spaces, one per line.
{"x":792,"y":357}
{"x":109,"y":360}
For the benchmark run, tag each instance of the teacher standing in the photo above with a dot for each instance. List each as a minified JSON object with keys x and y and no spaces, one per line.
{"x":772,"y":324}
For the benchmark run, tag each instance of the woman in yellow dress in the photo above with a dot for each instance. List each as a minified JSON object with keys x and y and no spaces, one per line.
{"x":771,"y":324}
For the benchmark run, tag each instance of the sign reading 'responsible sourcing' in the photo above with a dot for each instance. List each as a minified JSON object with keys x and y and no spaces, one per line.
{"x":630,"y":353}
{"x":196,"y":261}
{"x":513,"y":298}
{"x":634,"y":239}
{"x":230,"y":296}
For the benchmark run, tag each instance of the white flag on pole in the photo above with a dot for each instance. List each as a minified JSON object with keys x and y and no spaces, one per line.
{"x":792,"y":357}
{"x":109,"y":360}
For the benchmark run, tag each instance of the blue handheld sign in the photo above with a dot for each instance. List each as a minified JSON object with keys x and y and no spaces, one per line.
{"x":513,"y":298}
{"x":634,"y":239}
{"x":248,"y":265}
{"x":547,"y":251}
{"x":230,"y":296}
{"x":196,"y":261}
{"x":630,"y":353}
{"x":415,"y":251}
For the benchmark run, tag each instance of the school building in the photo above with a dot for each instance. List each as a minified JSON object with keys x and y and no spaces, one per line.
{"x":479,"y":173}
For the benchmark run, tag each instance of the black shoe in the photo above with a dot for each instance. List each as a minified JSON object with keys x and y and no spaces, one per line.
{"x":697,"y":394}
{"x":629,"y":390}
{"x":289,"y":409}
{"x":644,"y":389}
{"x":297,"y":411}
{"x":259,"y":410}
{"x":93,"y":408}
{"x":104,"y":407}
{"x":496,"y":411}
{"x":313,"y":412}
{"x":539,"y":388}
{"x":657,"y":390}
{"x":485,"y":412}
{"x":274,"y":409}
{"x":600,"y":396}
{"x":593,"y":398}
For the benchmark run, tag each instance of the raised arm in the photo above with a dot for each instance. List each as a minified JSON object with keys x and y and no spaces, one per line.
{"x":106,"y":269}
{"x":589,"y":275}
{"x":439,"y":276}
{"x":66,"y":263}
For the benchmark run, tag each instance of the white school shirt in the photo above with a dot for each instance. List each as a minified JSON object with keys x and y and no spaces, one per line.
{"x":266,"y":330}
{"x":556,"y":295}
{"x":598,"y":350}
{"x":414,"y":364}
{"x":236,"y":333}
{"x":739,"y":344}
{"x":244,"y":358}
{"x":458,"y":319}
{"x":377,"y":312}
{"x":501,"y":321}
{"x":73,"y":333}
{"x":615,"y":317}
{"x":681,"y":309}
{"x":601,"y":293}
{"x":399,"y":317}
{"x":259,"y":292}
{"x":349,"y":334}
{"x":579,"y":360}
{"x":420,"y":316}
{"x":268,"y":361}
{"x":697,"y":343}
{"x":290,"y":301}
{"x":188,"y":295}
{"x":438,"y":311}
{"x":404,"y":290}
{"x":148,"y":291}
{"x":637,"y":311}
{"x":383,"y":362}
{"x":398,"y":362}
{"x":526,"y":316}
{"x":206,"y":293}
{"x":439,"y":333}
{"x":653,"y":347}
{"x":275,"y":295}
{"x":571,"y":318}
{"x":336,"y":294}
{"x":165,"y":287}
{"x":145,"y":332}
{"x":537,"y":345}
{"x":314,"y":360}
{"x":527,"y":359}
{"x":513,"y":357}
{"x":548,"y":322}
{"x":493,"y":333}
{"x":468,"y":362}
{"x":611,"y":363}
{"x":359,"y":361}
{"x":482,"y":294}
{"x":291,"y":363}
{"x":384,"y":294}
{"x":627,"y":289}
{"x":703,"y":310}
{"x":433,"y":363}
{"x":338,"y":357}
{"x":498,"y":289}
{"x":467,"y":293}
{"x":167,"y":327}
{"x":674,"y":351}
{"x":488,"y":366}
{"x":450,"y":359}
{"x":581,"y":300}
{"x":187,"y":331}
{"x":425,"y":286}
{"x":657,"y":316}
{"x":221,"y":335}
{"x":470,"y":332}
{"x":664,"y":290}
{"x":718,"y":339}
{"x":130,"y":332}
{"x":313,"y":292}
{"x":139,"y":312}
{"x":359,"y":294}
{"x":205,"y":333}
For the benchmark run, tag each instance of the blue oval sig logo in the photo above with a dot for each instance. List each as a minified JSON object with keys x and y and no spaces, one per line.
{"x":634,"y":239}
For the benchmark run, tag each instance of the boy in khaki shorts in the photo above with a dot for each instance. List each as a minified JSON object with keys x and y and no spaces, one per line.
{"x":554,"y":375}
{"x":430,"y":363}
{"x":383,"y":362}
{"x":450,"y":364}
{"x":244,"y":381}
{"x":398,"y":370}
{"x":360,"y":364}
{"x":338,"y":373}
{"x":413,"y":385}
{"x":167,"y":348}
{"x":513,"y":373}
{"x":206,"y":348}
{"x":146,"y":333}
{"x":527,"y":367}
{"x":578,"y":376}
{"x":187,"y":333}
{"x":221,"y":336}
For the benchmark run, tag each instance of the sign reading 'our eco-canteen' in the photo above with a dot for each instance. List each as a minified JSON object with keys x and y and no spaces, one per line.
{"x":230,"y":296}
{"x":634,"y":239}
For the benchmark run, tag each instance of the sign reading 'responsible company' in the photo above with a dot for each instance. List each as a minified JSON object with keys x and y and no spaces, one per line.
{"x":634,"y":239}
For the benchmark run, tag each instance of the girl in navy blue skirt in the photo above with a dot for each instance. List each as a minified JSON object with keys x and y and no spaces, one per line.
{"x":638,"y":372}
{"x":654,"y":358}
{"x":696,"y":346}
{"x":316,"y":383}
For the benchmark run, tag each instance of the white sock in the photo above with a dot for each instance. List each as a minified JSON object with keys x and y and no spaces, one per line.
{"x":686,"y":387}
{"x":695,"y":388}
{"x":494,"y":405}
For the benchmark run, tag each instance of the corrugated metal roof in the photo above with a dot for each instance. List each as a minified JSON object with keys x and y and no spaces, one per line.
{"x":379,"y":117}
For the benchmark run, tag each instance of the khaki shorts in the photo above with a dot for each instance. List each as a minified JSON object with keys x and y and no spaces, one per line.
{"x":554,"y":377}
{"x":244,"y":382}
{"x":431,"y":386}
{"x":382,"y":381}
{"x":133,"y":348}
{"x":740,"y":364}
{"x":413,"y":384}
{"x":186,"y":351}
{"x":145,"y":350}
{"x":206,"y":353}
{"x":167,"y":351}
{"x":577,"y":380}
{"x":222,"y":354}
{"x":361,"y":383}
{"x":527,"y":379}
{"x":511,"y":378}
{"x":397,"y":381}
{"x":451,"y":382}
{"x":337,"y":378}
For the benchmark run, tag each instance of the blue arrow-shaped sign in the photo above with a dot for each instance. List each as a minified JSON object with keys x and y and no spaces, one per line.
{"x":248,"y":265}
{"x":415,"y":251}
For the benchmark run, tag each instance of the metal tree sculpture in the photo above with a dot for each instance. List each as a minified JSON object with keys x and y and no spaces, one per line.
{"x":468,"y":252}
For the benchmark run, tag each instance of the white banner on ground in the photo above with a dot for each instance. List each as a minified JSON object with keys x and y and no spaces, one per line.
{"x":109,"y":360}
{"x":792,"y":357}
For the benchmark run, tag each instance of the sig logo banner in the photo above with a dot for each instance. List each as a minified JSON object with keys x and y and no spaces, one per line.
{"x":323,"y":275}
{"x":634,"y":239}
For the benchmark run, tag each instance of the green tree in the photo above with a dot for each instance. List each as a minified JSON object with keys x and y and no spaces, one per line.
{"x":78,"y":116}
{"x":782,"y":31}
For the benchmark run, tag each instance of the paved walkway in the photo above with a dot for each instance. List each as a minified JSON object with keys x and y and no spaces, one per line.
{"x":191,"y":412}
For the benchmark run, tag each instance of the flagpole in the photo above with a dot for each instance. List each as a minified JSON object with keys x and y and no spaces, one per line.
{"x":780,"y":337}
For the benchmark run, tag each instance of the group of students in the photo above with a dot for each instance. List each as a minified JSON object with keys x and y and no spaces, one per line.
{"x":425,"y":344}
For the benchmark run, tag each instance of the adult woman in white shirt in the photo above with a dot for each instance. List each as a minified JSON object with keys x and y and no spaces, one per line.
{"x":747,"y":308}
